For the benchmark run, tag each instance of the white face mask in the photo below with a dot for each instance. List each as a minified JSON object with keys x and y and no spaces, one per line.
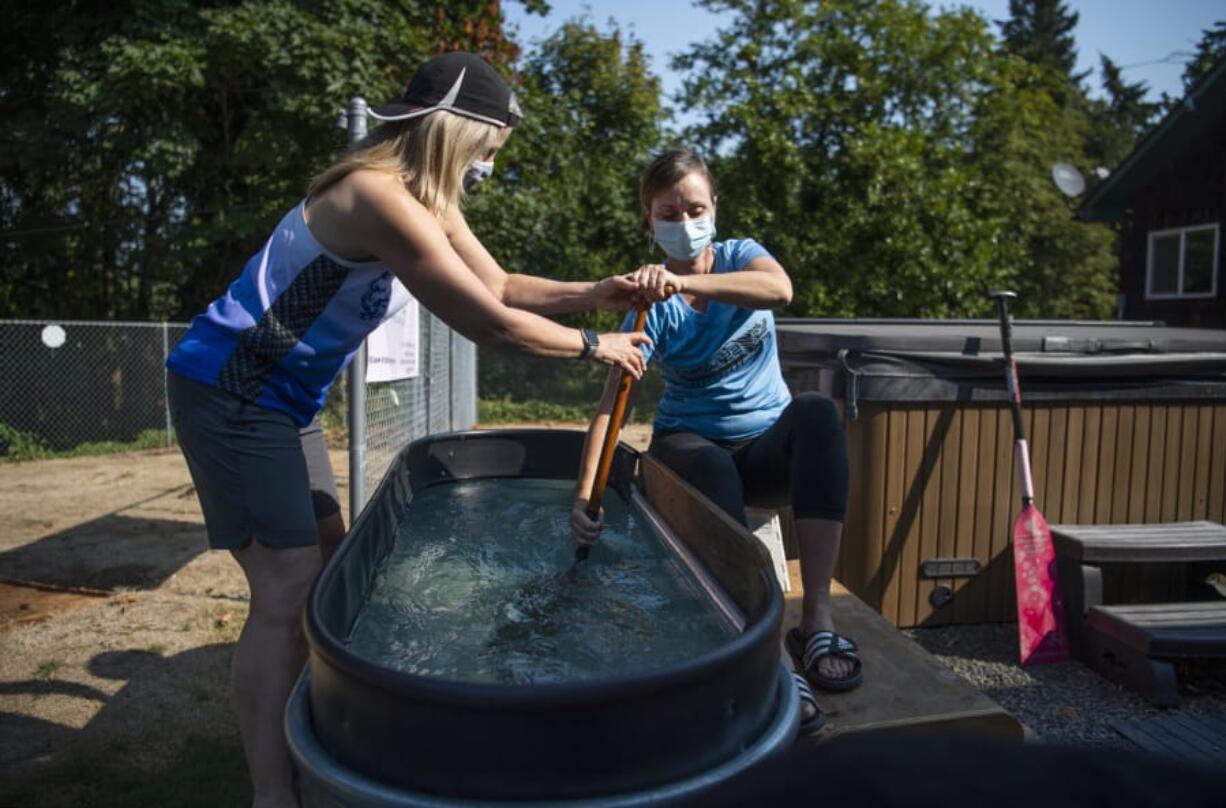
{"x":684,"y":240}
{"x":477,"y":171}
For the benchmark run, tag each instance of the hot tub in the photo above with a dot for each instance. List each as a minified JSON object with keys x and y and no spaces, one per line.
{"x":1126,"y":423}
{"x":365,"y":733}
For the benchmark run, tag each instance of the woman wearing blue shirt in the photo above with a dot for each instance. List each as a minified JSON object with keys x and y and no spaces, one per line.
{"x":727,"y":422}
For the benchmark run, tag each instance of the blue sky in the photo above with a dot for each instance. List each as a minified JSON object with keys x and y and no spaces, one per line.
{"x":1134,"y":33}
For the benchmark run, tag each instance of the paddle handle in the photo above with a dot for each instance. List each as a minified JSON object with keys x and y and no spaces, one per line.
{"x":1021,"y":452}
{"x":1002,"y":299}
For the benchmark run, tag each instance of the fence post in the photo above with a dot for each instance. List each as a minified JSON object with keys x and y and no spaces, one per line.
{"x":357,"y":368}
{"x":166,"y":381}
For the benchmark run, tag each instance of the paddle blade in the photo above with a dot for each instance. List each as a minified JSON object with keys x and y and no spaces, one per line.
{"x":1040,"y":613}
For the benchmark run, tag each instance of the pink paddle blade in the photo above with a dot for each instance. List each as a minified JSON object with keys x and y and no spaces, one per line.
{"x":1040,"y":613}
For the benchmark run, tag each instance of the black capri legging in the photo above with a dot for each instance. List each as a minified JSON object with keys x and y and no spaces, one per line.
{"x":800,"y":461}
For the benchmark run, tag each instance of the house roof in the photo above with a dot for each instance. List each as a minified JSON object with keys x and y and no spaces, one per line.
{"x":1202,"y":105}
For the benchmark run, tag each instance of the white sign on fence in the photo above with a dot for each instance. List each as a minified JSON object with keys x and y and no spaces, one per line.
{"x":391,"y":349}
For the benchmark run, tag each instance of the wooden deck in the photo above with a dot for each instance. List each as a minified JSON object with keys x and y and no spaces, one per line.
{"x":1193,"y":738}
{"x":904,"y":685}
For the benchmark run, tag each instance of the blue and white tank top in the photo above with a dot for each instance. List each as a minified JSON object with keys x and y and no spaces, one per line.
{"x":289,"y":324}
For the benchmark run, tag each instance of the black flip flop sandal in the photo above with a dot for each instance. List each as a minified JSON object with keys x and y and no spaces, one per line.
{"x":809,"y":651}
{"x":810,"y":725}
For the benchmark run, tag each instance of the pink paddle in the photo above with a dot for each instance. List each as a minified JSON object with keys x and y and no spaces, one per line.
{"x":1040,"y":613}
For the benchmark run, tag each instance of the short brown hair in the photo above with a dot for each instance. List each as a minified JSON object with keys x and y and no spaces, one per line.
{"x":666,"y":171}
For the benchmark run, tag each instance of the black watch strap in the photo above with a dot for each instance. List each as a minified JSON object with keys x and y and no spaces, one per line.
{"x":590,"y":341}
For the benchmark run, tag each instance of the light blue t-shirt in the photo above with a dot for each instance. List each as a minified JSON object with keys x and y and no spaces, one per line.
{"x":721,"y":366}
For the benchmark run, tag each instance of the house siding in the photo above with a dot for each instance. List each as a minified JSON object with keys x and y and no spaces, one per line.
{"x":1191,"y":191}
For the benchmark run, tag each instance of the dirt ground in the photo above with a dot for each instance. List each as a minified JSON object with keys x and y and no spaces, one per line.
{"x":116,"y":622}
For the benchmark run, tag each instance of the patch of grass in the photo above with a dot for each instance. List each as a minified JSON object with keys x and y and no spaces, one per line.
{"x":157,"y":649}
{"x":17,"y":445}
{"x":148,"y":439}
{"x":46,"y":671}
{"x":509,"y":411}
{"x":207,"y":772}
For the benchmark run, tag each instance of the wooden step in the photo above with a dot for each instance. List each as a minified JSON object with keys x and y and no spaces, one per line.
{"x":1172,"y":541}
{"x":1168,"y":630}
{"x":904,"y":685}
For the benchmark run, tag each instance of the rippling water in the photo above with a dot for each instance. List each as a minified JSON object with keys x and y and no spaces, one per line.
{"x":480,"y":586}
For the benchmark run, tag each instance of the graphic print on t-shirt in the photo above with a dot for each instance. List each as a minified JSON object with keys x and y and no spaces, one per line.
{"x":731,"y":355}
{"x":375,"y":299}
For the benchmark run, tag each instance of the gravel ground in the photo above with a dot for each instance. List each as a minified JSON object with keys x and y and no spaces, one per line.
{"x":1062,"y":703}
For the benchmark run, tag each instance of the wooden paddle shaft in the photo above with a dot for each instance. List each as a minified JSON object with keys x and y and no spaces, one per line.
{"x":609,"y":447}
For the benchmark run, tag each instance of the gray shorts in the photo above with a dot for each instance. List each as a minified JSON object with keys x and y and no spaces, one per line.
{"x":258,"y":476}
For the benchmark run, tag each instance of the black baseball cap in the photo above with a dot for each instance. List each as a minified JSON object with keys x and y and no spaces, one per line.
{"x":458,"y":82}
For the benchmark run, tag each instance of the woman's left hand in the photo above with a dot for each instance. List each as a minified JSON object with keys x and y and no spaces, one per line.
{"x":652,"y":281}
{"x":615,"y":293}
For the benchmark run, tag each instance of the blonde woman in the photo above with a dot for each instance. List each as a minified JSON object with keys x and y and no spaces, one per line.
{"x":248,"y":378}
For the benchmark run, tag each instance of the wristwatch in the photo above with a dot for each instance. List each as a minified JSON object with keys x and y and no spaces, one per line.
{"x":590,"y":341}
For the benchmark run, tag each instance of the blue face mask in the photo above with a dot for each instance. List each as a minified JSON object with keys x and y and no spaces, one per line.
{"x":684,"y":240}
{"x":478,"y":171}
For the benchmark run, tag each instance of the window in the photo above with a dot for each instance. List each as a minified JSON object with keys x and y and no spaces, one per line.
{"x":1183,"y":262}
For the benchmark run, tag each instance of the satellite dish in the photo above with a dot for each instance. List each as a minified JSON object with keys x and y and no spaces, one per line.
{"x":1068,"y":180}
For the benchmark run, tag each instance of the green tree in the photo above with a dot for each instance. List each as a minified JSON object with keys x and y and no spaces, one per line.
{"x":150,"y":145}
{"x":1210,"y":49}
{"x":895,"y":160}
{"x":1119,"y":118}
{"x":1041,"y":32}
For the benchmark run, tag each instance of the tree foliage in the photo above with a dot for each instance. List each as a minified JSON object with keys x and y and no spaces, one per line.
{"x":895,"y":159}
{"x":1041,"y":32}
{"x":151,"y":145}
{"x":1119,"y":118}
{"x":1209,"y":51}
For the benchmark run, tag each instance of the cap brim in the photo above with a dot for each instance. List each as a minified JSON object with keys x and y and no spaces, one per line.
{"x":398,"y":111}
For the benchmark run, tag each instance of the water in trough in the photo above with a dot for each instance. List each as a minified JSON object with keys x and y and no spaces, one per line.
{"x":480,"y":587}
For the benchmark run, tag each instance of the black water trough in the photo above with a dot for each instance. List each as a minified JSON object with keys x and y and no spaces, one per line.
{"x":365,"y":734}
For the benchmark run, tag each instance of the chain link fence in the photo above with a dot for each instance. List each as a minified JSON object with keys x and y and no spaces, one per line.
{"x":72,"y":383}
{"x":442,"y":398}
{"x":69,"y":384}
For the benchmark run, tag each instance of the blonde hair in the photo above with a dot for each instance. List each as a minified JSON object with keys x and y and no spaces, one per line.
{"x":429,"y":154}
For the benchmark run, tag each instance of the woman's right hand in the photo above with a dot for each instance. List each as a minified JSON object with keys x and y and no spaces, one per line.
{"x":583,"y":529}
{"x":621,"y":349}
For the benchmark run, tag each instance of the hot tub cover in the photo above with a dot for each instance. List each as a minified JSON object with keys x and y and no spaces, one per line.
{"x":960,"y":360}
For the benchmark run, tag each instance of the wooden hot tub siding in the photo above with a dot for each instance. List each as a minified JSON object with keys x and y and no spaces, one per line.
{"x":937,"y":481}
